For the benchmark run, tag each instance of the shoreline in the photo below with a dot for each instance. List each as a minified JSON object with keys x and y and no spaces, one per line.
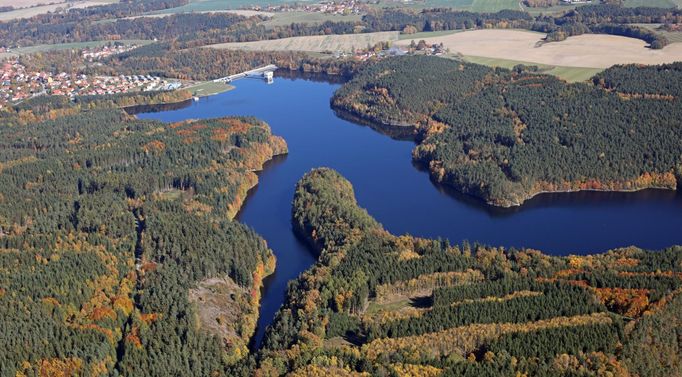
{"x":388,"y":129}
{"x":570,"y":191}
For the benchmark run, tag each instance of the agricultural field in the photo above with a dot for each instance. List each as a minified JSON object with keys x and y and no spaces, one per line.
{"x":41,"y":9}
{"x":426,"y":34}
{"x":554,"y":10}
{"x":317,"y":43}
{"x":213,"y":5}
{"x":238,"y":12}
{"x":673,"y":36}
{"x":25,"y":3}
{"x":287,"y":18}
{"x":278,"y":19}
{"x":569,"y":74}
{"x":589,"y":50}
{"x":493,"y":5}
{"x":457,"y":4}
{"x":497,"y":5}
{"x":652,"y":3}
{"x":67,"y":46}
{"x":470,"y":5}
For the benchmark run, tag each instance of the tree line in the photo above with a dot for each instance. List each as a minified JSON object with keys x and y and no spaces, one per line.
{"x":504,"y":136}
{"x":531,"y":314}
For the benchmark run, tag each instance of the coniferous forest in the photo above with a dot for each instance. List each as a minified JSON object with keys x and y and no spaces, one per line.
{"x":505,"y":136}
{"x":121,"y":255}
{"x":113,"y":228}
{"x":384,"y":305}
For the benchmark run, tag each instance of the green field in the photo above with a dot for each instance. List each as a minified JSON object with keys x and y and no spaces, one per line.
{"x":213,"y":5}
{"x":494,"y":5}
{"x":570,"y":74}
{"x":457,"y":4}
{"x":652,"y":3}
{"x":68,"y":46}
{"x":426,"y":34}
{"x":672,"y":36}
{"x":471,"y":5}
{"x":550,"y":10}
{"x":497,"y":5}
{"x":287,"y":18}
{"x":209,"y":88}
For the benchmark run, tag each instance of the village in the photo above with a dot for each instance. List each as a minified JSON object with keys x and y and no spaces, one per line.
{"x":338,"y":7}
{"x":384,"y":49}
{"x":17,"y":83}
{"x":97,"y":53}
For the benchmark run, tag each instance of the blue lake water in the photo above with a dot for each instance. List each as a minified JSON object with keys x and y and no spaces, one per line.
{"x":401,"y":196}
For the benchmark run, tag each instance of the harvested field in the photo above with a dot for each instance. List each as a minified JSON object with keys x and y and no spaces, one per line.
{"x":25,"y":3}
{"x":589,"y":50}
{"x":318,"y":43}
{"x":245,"y":13}
{"x":41,"y":9}
{"x":33,"y":3}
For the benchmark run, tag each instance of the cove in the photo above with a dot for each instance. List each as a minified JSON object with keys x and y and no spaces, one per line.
{"x":401,"y":196}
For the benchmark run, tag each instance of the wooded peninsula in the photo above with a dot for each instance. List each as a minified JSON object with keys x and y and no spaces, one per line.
{"x":120,"y":249}
{"x":118,"y":252}
{"x":384,"y":305}
{"x":507,"y":135}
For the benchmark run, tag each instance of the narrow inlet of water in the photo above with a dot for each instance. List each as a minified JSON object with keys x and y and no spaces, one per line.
{"x":401,"y":196}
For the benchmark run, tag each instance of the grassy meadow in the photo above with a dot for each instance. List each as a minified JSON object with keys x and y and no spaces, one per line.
{"x":209,"y":88}
{"x":570,"y":74}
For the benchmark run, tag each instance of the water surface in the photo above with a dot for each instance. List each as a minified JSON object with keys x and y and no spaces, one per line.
{"x":401,"y":196}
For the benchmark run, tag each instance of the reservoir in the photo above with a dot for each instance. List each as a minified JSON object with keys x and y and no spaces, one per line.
{"x":401,"y":196}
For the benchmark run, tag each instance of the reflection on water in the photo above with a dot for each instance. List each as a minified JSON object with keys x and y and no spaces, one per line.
{"x":402,"y":197}
{"x":138,"y":109}
{"x":403,"y":133}
{"x":562,"y":199}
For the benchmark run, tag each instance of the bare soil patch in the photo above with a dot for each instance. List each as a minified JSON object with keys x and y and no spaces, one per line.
{"x":221,"y":307}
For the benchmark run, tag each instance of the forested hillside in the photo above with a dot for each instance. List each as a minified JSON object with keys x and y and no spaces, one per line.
{"x":609,"y":19}
{"x":42,"y":108}
{"x":118,"y":255}
{"x":170,"y":60}
{"x":378,"y":304}
{"x":505,"y":136}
